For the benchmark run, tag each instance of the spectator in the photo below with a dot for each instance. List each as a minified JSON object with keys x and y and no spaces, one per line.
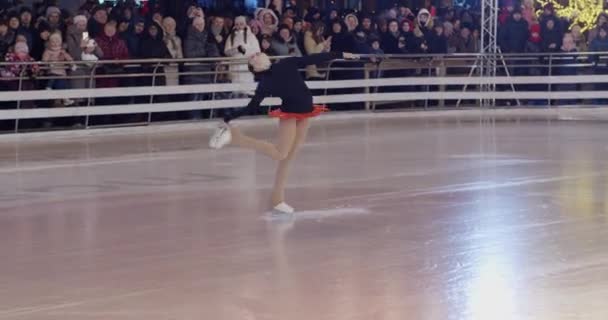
{"x":55,"y":53}
{"x":123,"y":26}
{"x":174,"y":46}
{"x":514,"y":35}
{"x":89,"y":6}
{"x":579,"y":38}
{"x":528,"y":12}
{"x":568,"y":46}
{"x":276,"y":6}
{"x":376,"y":49}
{"x":393,"y":42}
{"x":363,"y":32}
{"x":367,"y":27}
{"x":266,"y":45}
{"x":90,"y":54}
{"x":41,"y":37}
{"x":405,"y":13}
{"x":352,"y":22}
{"x":113,"y":48}
{"x":313,"y":15}
{"x":53,"y":17}
{"x":97,"y":23}
{"x":430,"y":8}
{"x":600,"y":44}
{"x":13,"y":22}
{"x":602,"y":19}
{"x":467,"y":43}
{"x":77,"y":45}
{"x":412,"y":43}
{"x":256,"y":27}
{"x":289,"y":22}
{"x":314,"y":43}
{"x":11,"y":73}
{"x":551,"y":36}
{"x":331,"y":17}
{"x":453,"y":39}
{"x":424,"y":23}
{"x":548,"y":13}
{"x":341,"y":41}
{"x":292,"y":7}
{"x":534,"y":46}
{"x":133,"y":36}
{"x":158,"y":17}
{"x":27,"y":27}
{"x":298,"y":33}
{"x":75,"y":38}
{"x":218,"y":34}
{"x":194,"y":11}
{"x":437,"y":42}
{"x":126,"y":15}
{"x":269,"y":21}
{"x":241,"y":44}
{"x":284,"y":43}
{"x":7,"y":37}
{"x":152,"y":46}
{"x":198,"y":45}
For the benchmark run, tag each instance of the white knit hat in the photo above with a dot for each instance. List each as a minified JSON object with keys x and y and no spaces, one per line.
{"x":80,"y":18}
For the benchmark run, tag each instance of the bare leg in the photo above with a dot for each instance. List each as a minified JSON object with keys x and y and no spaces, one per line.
{"x":280,"y":151}
{"x":278,"y":193}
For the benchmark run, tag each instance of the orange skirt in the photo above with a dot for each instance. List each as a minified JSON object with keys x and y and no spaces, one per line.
{"x":317,"y":110}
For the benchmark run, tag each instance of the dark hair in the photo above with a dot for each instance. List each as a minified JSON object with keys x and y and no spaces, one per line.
{"x":233,"y":34}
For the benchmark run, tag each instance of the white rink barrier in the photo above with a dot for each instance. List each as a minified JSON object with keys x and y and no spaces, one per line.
{"x":333,"y":84}
{"x":333,"y":99}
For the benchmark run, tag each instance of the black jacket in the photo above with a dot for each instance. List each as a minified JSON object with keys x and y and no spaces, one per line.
{"x":514,"y":36}
{"x":284,"y":81}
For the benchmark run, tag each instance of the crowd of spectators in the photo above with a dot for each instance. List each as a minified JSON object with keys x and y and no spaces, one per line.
{"x":127,"y":31}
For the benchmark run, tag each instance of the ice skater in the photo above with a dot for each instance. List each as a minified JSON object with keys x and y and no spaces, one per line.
{"x":283,"y":80}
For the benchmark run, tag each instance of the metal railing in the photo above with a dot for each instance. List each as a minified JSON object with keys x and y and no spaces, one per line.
{"x":444,"y":80}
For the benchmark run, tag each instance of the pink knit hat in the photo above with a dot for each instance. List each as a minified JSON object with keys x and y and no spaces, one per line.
{"x":21,"y":47}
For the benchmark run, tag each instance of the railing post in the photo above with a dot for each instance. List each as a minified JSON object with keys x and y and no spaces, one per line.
{"x":367,"y":87}
{"x":153,"y":85}
{"x":428,"y":87}
{"x":90,"y":99}
{"x":218,"y":68}
{"x":550,"y":74}
{"x":378,"y":76}
{"x":441,"y":72}
{"x":19,"y":89}
{"x":328,"y":74}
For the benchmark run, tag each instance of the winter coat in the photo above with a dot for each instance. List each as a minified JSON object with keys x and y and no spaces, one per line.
{"x":549,"y":37}
{"x":249,"y":46}
{"x":113,"y":48}
{"x":438,"y":44}
{"x":311,"y":46}
{"x":174,"y":46}
{"x":197,"y":45}
{"x":513,"y":36}
{"x":390,"y":43}
{"x":283,"y":48}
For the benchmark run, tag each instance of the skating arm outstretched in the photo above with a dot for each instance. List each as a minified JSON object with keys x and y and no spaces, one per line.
{"x":323,"y":57}
{"x":261,"y":92}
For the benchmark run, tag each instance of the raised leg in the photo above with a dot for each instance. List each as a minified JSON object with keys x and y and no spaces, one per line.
{"x":278,"y":151}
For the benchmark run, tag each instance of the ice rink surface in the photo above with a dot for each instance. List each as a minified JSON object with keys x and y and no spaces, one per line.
{"x":398,"y":218}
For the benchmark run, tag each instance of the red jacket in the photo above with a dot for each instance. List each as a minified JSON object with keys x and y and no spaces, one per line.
{"x":113,"y":49}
